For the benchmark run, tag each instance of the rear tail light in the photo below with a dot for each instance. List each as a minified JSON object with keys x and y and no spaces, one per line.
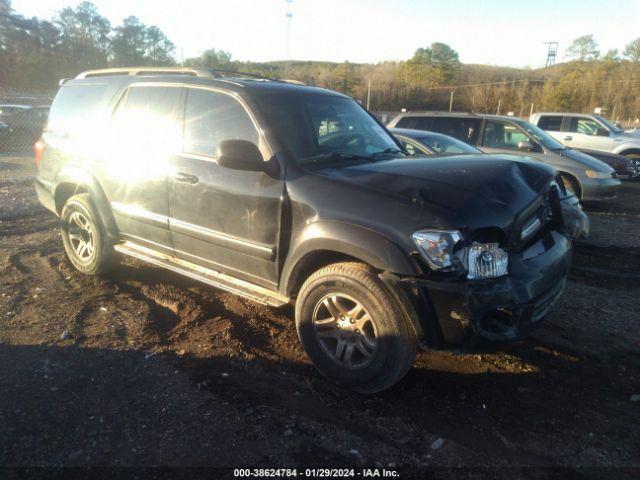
{"x":38,"y":150}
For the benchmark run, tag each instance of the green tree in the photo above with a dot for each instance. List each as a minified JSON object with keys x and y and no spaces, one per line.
{"x":159,"y":49}
{"x":212,"y":58}
{"x":128,"y":43}
{"x":632,"y":51}
{"x":347,"y":79}
{"x":583,"y":48}
{"x":135,"y":44}
{"x":84,"y":36}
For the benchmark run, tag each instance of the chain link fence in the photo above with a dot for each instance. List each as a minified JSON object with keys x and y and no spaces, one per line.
{"x":23,"y":115}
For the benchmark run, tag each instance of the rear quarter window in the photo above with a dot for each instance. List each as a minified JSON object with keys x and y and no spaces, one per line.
{"x":550,"y":122}
{"x":76,"y":107}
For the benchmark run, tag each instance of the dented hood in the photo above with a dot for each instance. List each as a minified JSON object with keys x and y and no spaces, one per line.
{"x":472,"y":191}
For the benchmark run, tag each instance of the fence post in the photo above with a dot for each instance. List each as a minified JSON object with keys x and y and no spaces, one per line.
{"x":451,"y":101}
{"x":499,"y":104}
{"x":368,"y":94}
{"x":531,"y":110}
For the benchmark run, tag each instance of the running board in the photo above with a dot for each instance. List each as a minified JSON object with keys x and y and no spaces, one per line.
{"x":210,"y":277}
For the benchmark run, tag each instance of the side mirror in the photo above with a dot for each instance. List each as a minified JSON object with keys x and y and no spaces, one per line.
{"x":602,"y":132}
{"x":240,"y":155}
{"x":528,"y":146}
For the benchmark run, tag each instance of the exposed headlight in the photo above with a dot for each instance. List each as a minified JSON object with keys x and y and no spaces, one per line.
{"x":600,"y":175}
{"x":437,"y":246}
{"x":487,"y":260}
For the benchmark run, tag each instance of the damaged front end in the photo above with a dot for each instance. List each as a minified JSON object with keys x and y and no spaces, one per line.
{"x":497,"y":285}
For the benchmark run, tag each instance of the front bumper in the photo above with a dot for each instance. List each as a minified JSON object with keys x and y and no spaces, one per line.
{"x":500,"y":309}
{"x":594,"y":189}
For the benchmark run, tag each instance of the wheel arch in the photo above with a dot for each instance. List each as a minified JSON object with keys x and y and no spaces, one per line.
{"x":72,"y":181}
{"x":630,"y":151}
{"x":574,"y":180}
{"x":323,"y":243}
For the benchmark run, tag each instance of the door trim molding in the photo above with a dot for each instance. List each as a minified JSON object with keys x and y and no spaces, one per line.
{"x":260,"y":250}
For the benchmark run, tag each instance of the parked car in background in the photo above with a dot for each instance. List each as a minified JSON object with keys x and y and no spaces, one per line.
{"x":592,"y":132}
{"x":8,"y":109}
{"x":624,"y":166}
{"x":26,"y":126}
{"x":286,"y":193}
{"x":417,"y":142}
{"x":589,"y":178}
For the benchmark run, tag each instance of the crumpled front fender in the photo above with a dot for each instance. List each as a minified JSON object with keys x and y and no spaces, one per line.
{"x":576,"y":221}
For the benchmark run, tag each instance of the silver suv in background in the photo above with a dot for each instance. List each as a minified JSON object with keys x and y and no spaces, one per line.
{"x":589,"y":131}
{"x":589,"y":178}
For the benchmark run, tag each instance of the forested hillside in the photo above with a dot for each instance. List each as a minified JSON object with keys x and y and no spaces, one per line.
{"x":35,"y":53}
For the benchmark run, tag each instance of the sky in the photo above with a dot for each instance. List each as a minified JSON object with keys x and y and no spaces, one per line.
{"x":495,"y":32}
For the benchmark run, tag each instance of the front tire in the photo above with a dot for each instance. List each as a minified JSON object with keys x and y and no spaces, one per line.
{"x":352,"y":328}
{"x":88,"y":247}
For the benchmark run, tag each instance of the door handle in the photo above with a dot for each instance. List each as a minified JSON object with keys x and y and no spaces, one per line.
{"x":568,"y":138}
{"x":186,"y":178}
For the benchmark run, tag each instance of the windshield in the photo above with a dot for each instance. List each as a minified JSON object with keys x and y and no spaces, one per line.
{"x":609,"y":125}
{"x":541,"y":136}
{"x":447,"y":145}
{"x":318,"y":129}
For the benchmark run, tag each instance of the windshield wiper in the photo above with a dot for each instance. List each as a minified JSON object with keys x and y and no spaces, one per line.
{"x":336,"y":157}
{"x":388,"y":151}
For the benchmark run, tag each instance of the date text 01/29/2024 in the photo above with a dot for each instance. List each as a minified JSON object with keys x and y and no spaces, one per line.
{"x":315,"y":473}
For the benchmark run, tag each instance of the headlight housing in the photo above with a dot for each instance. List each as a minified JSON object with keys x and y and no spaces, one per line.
{"x":599,"y":175}
{"x":487,"y":260}
{"x":441,"y":251}
{"x":436,"y":246}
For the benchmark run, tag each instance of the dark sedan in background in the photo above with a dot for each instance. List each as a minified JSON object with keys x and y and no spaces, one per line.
{"x":23,"y":127}
{"x":624,"y":166}
{"x":430,"y":143}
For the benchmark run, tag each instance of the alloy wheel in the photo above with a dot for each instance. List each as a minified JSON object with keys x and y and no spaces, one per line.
{"x":80,"y":234}
{"x":345,"y":330}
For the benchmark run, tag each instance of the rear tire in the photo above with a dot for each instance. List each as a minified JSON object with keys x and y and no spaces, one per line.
{"x":88,"y":247}
{"x":352,"y":328}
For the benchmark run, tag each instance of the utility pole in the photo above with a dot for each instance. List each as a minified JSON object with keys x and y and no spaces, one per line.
{"x":451,"y":101}
{"x":289,"y":16}
{"x":499,"y":104}
{"x":552,"y":51}
{"x":368,"y":94}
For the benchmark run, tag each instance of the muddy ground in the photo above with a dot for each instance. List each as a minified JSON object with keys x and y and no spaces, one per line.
{"x":144,"y":367}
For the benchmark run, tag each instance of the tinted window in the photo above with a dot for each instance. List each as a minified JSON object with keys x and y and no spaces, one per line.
{"x":212,"y":117}
{"x":147,"y":114}
{"x":422,"y":123}
{"x":145,"y":125}
{"x":76,"y":106}
{"x":502,"y":135}
{"x":465,"y":129}
{"x":405,"y":122}
{"x":550,"y":122}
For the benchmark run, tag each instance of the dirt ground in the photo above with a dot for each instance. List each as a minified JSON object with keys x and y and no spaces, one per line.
{"x":143,"y":367}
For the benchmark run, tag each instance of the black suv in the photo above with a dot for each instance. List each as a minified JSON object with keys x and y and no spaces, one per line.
{"x":282,"y":192}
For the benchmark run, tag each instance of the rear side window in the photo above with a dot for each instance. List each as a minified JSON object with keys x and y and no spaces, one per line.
{"x":465,"y":129}
{"x":503,"y":135}
{"x":583,"y":125}
{"x":213,"y":117}
{"x":550,"y":122}
{"x":406,"y":122}
{"x":76,"y":107}
{"x":145,"y":124}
